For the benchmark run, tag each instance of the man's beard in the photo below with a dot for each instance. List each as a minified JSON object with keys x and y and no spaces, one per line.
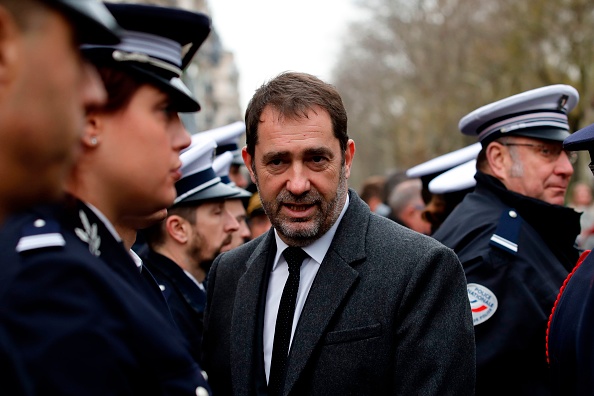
{"x":195,"y":252}
{"x":319,"y":224}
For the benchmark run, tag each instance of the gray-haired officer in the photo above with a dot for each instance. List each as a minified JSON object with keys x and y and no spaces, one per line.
{"x":570,"y":350}
{"x":46,"y":87}
{"x":514,"y":236}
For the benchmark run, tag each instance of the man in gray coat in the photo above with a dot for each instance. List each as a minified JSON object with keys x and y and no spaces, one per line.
{"x":373,"y":309}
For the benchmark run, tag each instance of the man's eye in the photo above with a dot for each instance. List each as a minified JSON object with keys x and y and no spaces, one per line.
{"x":317,"y":159}
{"x":547,"y":152}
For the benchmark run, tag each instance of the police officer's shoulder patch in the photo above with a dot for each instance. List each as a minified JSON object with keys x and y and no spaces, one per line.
{"x":508,"y":232}
{"x":483,"y":302}
{"x":39,"y":234}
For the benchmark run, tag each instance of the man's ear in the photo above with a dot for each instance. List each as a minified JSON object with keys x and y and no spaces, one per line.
{"x":247,"y":159}
{"x":497,"y":159}
{"x":10,"y":47}
{"x":177,"y":228}
{"x":348,"y":157}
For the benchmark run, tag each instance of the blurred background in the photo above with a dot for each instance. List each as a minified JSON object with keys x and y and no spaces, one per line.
{"x":407,"y":70}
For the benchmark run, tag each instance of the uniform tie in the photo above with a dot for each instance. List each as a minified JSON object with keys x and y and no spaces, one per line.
{"x":284,"y":321}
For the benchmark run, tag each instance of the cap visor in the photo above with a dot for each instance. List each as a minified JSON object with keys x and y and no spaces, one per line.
{"x":555,"y":134}
{"x":580,"y":140}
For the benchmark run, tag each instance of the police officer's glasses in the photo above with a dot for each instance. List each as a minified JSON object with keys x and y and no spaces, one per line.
{"x":551,"y":152}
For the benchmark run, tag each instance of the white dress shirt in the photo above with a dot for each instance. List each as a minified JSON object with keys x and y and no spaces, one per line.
{"x":278,"y":277}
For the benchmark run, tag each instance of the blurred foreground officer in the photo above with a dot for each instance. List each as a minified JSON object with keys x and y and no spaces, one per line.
{"x":46,"y":87}
{"x":569,"y":342}
{"x":182,"y":247}
{"x":39,"y":135}
{"x":78,"y":308}
{"x":513,"y":235}
{"x":378,"y":309}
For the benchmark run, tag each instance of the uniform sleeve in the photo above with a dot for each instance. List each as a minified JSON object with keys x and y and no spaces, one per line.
{"x":81,"y":332}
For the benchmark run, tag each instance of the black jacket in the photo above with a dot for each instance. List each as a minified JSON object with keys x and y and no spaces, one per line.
{"x":516,"y":252}
{"x":81,"y":326}
{"x":186,"y":300}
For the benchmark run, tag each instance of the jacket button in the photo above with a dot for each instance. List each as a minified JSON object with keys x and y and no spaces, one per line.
{"x":200,"y":391}
{"x":204,"y":375}
{"x":513,"y":214}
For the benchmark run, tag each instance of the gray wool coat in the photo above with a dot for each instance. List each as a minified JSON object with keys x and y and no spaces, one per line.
{"x":387,"y":314}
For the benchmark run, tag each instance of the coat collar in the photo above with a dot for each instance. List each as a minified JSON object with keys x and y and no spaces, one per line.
{"x":162,"y":266}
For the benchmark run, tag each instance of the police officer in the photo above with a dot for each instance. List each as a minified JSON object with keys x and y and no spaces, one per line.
{"x":513,"y":235}
{"x":39,"y":134}
{"x":569,"y":337}
{"x":227,"y":166}
{"x":182,"y":247}
{"x":439,"y":206}
{"x":74,"y":302}
{"x":45,"y":89}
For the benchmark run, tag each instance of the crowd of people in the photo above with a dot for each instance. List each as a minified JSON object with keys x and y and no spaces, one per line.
{"x":138,"y":259}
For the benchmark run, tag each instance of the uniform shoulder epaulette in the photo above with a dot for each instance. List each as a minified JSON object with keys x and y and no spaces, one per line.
{"x":40,"y":234}
{"x":508,"y":232}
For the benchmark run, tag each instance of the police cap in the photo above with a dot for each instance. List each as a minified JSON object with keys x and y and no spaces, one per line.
{"x":157,"y":44}
{"x":539,"y":113}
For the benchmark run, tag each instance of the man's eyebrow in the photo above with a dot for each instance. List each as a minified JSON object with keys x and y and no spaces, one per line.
{"x":274,"y":154}
{"x":319,"y":151}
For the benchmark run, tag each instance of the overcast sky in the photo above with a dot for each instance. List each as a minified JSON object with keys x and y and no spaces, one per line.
{"x":271,"y":36}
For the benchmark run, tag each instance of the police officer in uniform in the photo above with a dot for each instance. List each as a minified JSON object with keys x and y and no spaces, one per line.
{"x":513,"y":235}
{"x":87,"y":319}
{"x":569,"y":337}
{"x":437,"y":205}
{"x":182,"y":247}
{"x":37,"y":135}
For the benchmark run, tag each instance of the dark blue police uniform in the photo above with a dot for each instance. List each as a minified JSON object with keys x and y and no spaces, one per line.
{"x":570,"y":338}
{"x":80,"y":327}
{"x":185,"y":299}
{"x":515,"y":260}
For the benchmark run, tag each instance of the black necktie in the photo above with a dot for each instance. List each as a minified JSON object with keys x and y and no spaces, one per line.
{"x":284,"y":321}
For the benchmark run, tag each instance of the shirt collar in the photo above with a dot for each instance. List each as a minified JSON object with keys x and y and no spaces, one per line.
{"x":316,"y":250}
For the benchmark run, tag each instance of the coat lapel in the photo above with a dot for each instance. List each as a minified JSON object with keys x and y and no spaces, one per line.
{"x":245,"y":322}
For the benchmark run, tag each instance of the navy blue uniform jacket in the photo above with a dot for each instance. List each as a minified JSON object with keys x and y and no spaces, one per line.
{"x":571,"y":330}
{"x":516,"y":252}
{"x":185,"y":299}
{"x":81,"y":326}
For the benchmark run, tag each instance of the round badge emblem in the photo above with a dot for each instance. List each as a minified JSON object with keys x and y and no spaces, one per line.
{"x":483,"y":302}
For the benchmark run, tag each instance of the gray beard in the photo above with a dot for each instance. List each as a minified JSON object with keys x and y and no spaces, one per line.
{"x":322,"y":222}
